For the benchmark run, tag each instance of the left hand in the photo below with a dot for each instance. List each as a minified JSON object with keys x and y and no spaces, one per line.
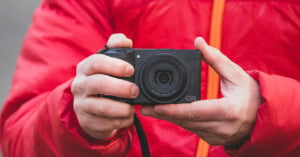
{"x":226,"y":121}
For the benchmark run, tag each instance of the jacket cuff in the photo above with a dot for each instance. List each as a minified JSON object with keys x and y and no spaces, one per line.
{"x":276,"y":129}
{"x":72,"y":135}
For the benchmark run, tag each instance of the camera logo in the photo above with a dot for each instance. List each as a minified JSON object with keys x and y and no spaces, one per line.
{"x":190,"y":98}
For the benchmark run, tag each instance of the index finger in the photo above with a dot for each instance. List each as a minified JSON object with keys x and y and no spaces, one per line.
{"x":219,"y":62}
{"x":99,"y":63}
{"x":102,"y":64}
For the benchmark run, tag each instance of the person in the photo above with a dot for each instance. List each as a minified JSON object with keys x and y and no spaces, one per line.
{"x":53,"y":108}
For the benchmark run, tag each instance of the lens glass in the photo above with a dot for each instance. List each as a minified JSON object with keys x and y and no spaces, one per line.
{"x":164,"y":78}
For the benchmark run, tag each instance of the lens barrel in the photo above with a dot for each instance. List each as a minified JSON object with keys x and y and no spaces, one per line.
{"x":164,"y":78}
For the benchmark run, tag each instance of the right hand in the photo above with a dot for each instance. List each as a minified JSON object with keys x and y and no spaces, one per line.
{"x":98,"y":116}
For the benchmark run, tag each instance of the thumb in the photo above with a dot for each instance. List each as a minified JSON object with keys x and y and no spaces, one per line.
{"x":218,"y":61}
{"x":119,"y":40}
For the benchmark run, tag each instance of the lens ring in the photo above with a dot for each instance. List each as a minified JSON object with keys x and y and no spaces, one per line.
{"x":173,"y":69}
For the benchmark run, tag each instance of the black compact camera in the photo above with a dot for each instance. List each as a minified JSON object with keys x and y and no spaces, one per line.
{"x":163,"y":75}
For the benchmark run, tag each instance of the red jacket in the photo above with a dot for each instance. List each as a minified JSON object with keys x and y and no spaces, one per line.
{"x":261,"y":36}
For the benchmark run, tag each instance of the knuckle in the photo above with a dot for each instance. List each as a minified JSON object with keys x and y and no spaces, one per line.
{"x":76,"y":105}
{"x":125,"y":114}
{"x":128,"y":112}
{"x":77,"y":86}
{"x":79,"y":67}
{"x":117,"y":123}
{"x":94,"y":62}
{"x":123,"y":123}
{"x":97,"y":83}
{"x":127,"y":123}
{"x":101,"y":110}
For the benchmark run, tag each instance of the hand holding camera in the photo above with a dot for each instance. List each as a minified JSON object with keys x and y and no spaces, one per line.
{"x":225,"y":121}
{"x":105,"y":88}
{"x":96,"y":75}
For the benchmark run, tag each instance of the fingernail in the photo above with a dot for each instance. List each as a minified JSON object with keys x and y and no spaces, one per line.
{"x":134,"y":91}
{"x":199,"y":42}
{"x":129,"y":71}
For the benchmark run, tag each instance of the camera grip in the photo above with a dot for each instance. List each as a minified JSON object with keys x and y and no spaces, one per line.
{"x":127,"y":55}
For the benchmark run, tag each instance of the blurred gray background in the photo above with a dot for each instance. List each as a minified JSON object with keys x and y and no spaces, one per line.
{"x":15,"y":17}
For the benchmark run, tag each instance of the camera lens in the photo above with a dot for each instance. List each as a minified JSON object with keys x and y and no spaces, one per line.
{"x":164,"y":78}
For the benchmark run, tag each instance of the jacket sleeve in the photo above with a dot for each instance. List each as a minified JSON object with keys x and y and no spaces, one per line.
{"x":277,"y":128}
{"x":38,"y":118}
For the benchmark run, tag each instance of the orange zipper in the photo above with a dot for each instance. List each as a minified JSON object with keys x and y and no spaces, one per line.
{"x":213,"y":78}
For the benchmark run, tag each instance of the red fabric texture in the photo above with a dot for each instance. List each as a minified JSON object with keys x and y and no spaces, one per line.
{"x":261,"y":36}
{"x":277,"y":126}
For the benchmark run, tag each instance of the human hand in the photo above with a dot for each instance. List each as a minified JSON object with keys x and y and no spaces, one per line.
{"x":226,"y":121}
{"x":98,"y":116}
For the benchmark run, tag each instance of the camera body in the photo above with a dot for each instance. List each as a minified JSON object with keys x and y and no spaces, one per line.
{"x":163,"y":75}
